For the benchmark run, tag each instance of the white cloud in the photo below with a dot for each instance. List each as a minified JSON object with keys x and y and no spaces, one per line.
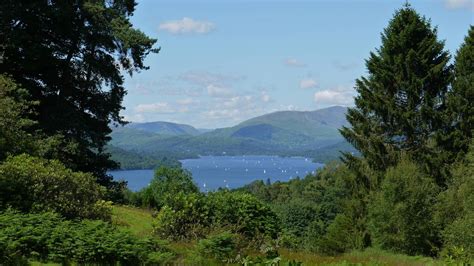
{"x":292,"y":62}
{"x":160,"y":107}
{"x":455,"y":4}
{"x":338,"y":96}
{"x":187,"y":25}
{"x":265,"y":97}
{"x":218,"y":91}
{"x":308,"y":83}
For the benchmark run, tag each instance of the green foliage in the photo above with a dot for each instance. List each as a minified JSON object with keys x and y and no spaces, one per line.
{"x":14,"y":109}
{"x":191,"y":216}
{"x":69,"y":57}
{"x":34,"y":184}
{"x":166,"y":184}
{"x":455,"y":211}
{"x":401,"y":214}
{"x":187,"y":217}
{"x":134,"y":160}
{"x":460,"y":104}
{"x":398,"y":107}
{"x":221,"y":247}
{"x":244,"y":213}
{"x":47,"y":237}
{"x":458,"y":238}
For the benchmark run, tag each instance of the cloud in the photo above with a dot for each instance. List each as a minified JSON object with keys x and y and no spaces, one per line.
{"x":455,"y":4}
{"x":265,"y":97}
{"x":308,"y":83}
{"x":187,"y":25}
{"x":219,"y":91}
{"x":338,"y":96}
{"x":160,"y":107}
{"x":292,"y":62}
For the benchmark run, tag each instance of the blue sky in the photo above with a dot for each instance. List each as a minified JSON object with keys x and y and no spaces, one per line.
{"x":226,"y":61}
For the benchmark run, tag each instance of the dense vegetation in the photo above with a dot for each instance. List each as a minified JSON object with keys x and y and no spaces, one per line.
{"x":409,"y":190}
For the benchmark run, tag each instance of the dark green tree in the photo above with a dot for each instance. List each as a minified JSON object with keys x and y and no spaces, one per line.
{"x":399,"y":102}
{"x":70,"y":55}
{"x":460,"y":101}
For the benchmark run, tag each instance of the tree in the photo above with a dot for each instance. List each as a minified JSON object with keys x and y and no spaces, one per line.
{"x":401,"y":214}
{"x":399,"y":102}
{"x":460,"y":111}
{"x":167,"y":183}
{"x":69,"y":56}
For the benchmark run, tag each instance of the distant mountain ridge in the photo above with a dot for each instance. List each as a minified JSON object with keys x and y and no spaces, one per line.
{"x":165,"y":128}
{"x":279,"y":133}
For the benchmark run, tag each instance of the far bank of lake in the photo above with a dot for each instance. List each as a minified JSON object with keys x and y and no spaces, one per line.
{"x":212,"y":172}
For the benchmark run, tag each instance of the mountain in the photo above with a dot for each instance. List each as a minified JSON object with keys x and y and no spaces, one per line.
{"x":294,"y":129}
{"x":165,"y":128}
{"x":305,"y":133}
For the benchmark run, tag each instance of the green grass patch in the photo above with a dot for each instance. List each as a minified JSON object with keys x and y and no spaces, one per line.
{"x":138,"y":221}
{"x":366,"y":257}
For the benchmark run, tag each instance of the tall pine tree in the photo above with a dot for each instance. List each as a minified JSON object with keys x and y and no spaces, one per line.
{"x":399,"y":105}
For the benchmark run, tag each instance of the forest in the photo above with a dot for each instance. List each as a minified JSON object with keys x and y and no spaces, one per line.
{"x":406,"y":197}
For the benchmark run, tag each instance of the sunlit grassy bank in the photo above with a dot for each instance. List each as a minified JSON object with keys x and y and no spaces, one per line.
{"x":139,"y":221}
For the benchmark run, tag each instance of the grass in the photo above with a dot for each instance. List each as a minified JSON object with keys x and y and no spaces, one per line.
{"x":367,"y":257}
{"x":138,"y":221}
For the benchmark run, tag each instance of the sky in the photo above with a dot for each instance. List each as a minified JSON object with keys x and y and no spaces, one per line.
{"x":225,"y":61}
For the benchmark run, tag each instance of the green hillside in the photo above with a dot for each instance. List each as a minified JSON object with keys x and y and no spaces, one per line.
{"x":165,"y":128}
{"x":314,"y":133}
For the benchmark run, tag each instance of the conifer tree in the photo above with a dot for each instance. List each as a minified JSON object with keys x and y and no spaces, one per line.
{"x":460,"y":111}
{"x":399,"y":102}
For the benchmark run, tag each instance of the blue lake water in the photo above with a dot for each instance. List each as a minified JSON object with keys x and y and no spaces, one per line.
{"x":212,"y":172}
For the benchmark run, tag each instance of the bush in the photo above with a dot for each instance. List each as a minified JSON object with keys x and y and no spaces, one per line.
{"x":401,"y":214}
{"x":34,"y":184}
{"x":455,"y":211}
{"x":458,"y":239}
{"x":244,"y":213}
{"x":187,"y":218}
{"x":49,"y":238}
{"x":221,"y":247}
{"x":194,"y":215}
{"x":167,"y":183}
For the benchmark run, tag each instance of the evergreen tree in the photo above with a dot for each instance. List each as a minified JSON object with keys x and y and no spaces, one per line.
{"x":399,"y":102}
{"x":460,"y":111}
{"x":69,"y":56}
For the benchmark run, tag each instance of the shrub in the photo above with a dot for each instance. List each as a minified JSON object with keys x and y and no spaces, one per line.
{"x":165,"y":185}
{"x":34,"y":184}
{"x":221,"y":247}
{"x":401,"y":214}
{"x":244,"y":213}
{"x":47,"y":237}
{"x":187,"y":218}
{"x":458,"y":239}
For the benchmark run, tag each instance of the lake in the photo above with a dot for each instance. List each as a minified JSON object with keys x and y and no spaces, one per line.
{"x":212,"y":172}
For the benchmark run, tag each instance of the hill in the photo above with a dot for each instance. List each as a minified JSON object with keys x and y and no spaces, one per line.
{"x":303,"y":133}
{"x":165,"y":128}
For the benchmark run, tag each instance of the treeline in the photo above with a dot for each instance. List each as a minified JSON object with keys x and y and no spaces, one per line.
{"x":135,"y":160}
